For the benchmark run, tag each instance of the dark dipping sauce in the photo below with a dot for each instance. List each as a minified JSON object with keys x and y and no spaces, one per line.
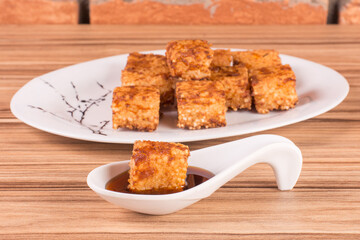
{"x":194,"y":176}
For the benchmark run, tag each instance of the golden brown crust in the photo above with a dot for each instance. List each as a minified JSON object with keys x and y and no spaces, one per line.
{"x":200,"y":104}
{"x":149,"y":70}
{"x":257,"y":58}
{"x":236,"y":84}
{"x":136,"y":107}
{"x":222,"y":58}
{"x":189,"y":59}
{"x":158,"y":167}
{"x":273,"y":88}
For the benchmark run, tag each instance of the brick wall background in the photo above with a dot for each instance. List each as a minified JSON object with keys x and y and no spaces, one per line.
{"x":39,"y":12}
{"x":180,"y":11}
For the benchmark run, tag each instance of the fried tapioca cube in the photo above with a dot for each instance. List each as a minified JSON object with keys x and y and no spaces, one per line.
{"x":222,"y":58}
{"x":257,"y":58}
{"x":273,"y":88}
{"x":200,"y":104}
{"x":158,"y":167}
{"x":189,"y":59}
{"x":149,"y":70}
{"x":136,"y":107}
{"x":236,"y":85}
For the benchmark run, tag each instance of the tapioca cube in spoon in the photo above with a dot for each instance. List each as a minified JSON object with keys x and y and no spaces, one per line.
{"x":158,"y":167}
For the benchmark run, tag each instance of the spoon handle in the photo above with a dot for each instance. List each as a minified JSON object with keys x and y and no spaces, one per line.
{"x":284,"y":158}
{"x":279,"y":152}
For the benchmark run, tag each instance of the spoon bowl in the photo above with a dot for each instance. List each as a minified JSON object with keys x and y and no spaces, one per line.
{"x":225,"y":160}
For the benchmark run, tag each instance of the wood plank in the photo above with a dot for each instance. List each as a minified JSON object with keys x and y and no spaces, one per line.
{"x":180,"y":236}
{"x":71,"y":175}
{"x":229,"y":211}
{"x":320,"y":141}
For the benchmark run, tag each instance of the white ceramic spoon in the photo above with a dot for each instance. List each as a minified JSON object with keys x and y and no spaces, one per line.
{"x":225,"y":161}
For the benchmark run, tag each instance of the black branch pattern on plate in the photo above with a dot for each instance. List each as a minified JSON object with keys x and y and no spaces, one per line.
{"x":78,"y":110}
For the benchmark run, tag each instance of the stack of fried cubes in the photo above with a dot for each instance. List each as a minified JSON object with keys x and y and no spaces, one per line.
{"x":204,"y":83}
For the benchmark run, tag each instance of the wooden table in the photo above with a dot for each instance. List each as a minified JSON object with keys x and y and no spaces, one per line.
{"x":43,"y":191}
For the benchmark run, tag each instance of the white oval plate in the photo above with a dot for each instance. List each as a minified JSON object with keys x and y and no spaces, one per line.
{"x":75,"y":102}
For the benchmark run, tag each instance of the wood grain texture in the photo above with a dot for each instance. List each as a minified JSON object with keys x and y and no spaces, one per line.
{"x":43,"y":191}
